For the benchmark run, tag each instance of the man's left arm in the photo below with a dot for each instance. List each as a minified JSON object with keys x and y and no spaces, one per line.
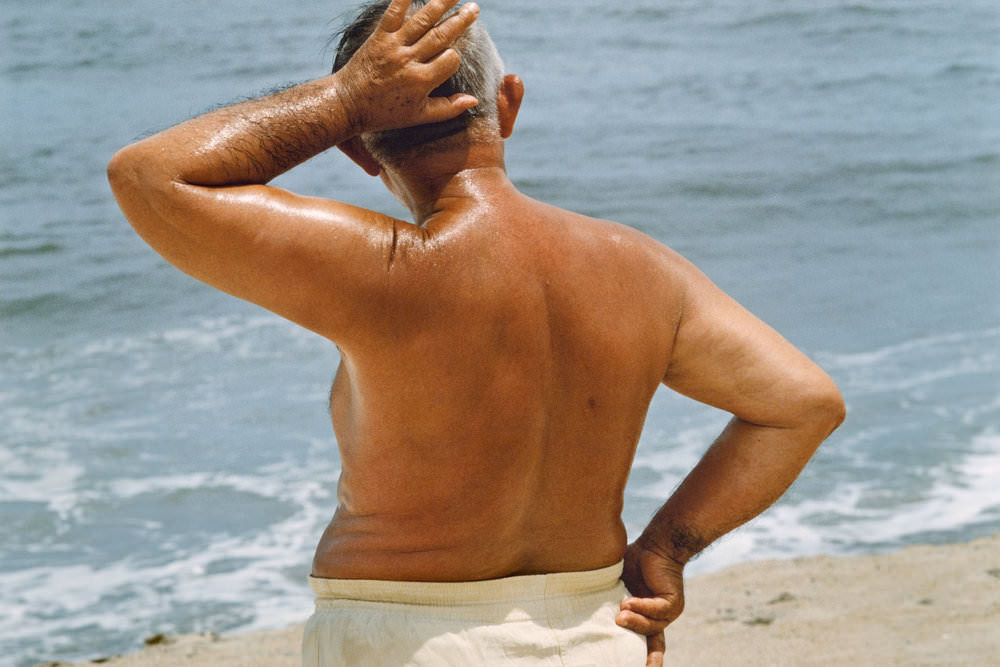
{"x":197,"y":192}
{"x":783,"y":407}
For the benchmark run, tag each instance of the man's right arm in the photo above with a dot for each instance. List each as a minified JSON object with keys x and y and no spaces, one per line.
{"x":198,"y":193}
{"x":783,"y":407}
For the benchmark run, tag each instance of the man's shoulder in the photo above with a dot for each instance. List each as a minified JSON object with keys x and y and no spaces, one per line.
{"x":629,"y":242}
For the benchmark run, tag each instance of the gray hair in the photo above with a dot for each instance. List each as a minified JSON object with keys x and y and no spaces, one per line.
{"x":479,"y":75}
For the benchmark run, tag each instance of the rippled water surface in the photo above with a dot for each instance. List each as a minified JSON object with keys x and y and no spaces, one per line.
{"x":166,"y":460}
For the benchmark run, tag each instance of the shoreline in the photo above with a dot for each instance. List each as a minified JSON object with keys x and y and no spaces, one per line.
{"x":918,"y":605}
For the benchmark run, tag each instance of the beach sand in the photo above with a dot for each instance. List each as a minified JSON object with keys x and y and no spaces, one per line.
{"x":924,"y":605}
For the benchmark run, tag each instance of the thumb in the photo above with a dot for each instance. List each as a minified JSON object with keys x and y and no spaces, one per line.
{"x":655,"y":649}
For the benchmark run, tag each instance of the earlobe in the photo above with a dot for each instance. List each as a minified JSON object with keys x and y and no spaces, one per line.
{"x":355,"y":149}
{"x":509,"y":103}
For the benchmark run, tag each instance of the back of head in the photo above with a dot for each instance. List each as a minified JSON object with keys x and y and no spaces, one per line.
{"x":479,"y":75}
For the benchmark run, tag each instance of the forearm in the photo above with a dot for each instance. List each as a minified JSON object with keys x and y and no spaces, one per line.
{"x":247,"y":143}
{"x":745,"y":470}
{"x":385,"y":85}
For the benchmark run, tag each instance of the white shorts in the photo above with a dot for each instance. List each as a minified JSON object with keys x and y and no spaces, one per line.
{"x":552,"y":620}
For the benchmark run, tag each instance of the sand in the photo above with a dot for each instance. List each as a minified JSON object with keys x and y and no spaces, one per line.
{"x":922,"y":605}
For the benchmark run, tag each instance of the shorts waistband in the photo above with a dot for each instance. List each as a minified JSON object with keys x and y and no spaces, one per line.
{"x":508,"y":589}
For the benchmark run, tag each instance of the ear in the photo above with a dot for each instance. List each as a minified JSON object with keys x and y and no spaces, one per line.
{"x":355,"y":149}
{"x":509,"y":102}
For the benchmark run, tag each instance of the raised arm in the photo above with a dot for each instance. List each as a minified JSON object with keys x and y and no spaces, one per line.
{"x":784,"y":406}
{"x":196,"y":192}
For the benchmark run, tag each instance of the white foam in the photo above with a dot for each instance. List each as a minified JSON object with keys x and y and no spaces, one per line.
{"x":964,"y":494}
{"x":42,"y":476}
{"x":972,"y":415}
{"x":45,"y":603}
{"x":269,"y":487}
{"x":251,"y":337}
{"x":674,"y":454}
{"x":906,"y":349}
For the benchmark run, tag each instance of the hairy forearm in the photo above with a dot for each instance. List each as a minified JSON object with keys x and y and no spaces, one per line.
{"x":747,"y":468}
{"x":385,"y":85}
{"x":248,"y":143}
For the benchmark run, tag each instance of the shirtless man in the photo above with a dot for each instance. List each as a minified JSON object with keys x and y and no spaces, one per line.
{"x":498,"y":356}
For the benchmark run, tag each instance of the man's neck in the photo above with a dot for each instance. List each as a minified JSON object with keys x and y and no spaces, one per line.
{"x":445,"y":183}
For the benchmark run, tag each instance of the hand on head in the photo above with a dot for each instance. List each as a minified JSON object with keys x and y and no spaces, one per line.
{"x":387,"y":83}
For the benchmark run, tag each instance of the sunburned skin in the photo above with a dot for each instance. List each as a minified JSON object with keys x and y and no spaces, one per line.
{"x":498,"y":354}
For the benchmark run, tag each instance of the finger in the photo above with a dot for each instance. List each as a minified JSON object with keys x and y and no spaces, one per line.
{"x":438,"y":109}
{"x":656,"y":608}
{"x":418,"y":24}
{"x":444,"y":34}
{"x":639,"y":623}
{"x":395,"y":15}
{"x":656,"y":647}
{"x":442,"y":67}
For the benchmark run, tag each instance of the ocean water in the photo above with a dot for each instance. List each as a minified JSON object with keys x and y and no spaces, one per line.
{"x":166,"y":460}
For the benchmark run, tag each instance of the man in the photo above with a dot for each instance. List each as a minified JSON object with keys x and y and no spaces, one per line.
{"x":498,"y":356}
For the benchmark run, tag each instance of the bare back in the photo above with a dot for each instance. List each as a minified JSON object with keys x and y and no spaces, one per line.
{"x":487,"y":428}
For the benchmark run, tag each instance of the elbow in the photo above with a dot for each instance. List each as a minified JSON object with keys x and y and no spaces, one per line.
{"x":139,"y":185}
{"x":823,"y":405}
{"x":122,"y":176}
{"x":124,"y":172}
{"x":135,"y":170}
{"x":129,"y":186}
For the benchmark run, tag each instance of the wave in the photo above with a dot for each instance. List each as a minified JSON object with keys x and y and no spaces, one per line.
{"x":959,"y":503}
{"x":903,"y":166}
{"x":966,"y":68}
{"x":41,"y":304}
{"x":256,"y":577}
{"x":805,"y":15}
{"x":40,"y":249}
{"x":105,"y":546}
{"x":904,"y":349}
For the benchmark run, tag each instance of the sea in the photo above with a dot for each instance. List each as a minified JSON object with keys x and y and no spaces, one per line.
{"x":166,"y":458}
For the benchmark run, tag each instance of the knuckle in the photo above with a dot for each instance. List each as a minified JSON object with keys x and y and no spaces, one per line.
{"x":450,"y":61}
{"x":634,"y":622}
{"x":438,"y":34}
{"x":422,"y":23}
{"x":426,"y":76}
{"x":391,"y":18}
{"x":642,"y":626}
